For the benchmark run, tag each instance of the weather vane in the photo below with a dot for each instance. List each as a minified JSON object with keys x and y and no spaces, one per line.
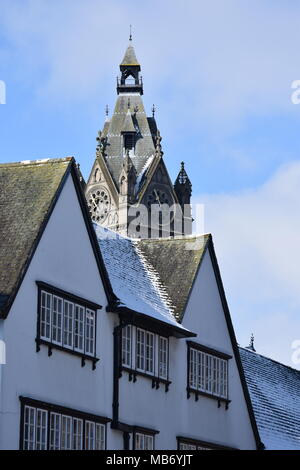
{"x":106,"y":110}
{"x":153,"y":111}
{"x":130,"y":35}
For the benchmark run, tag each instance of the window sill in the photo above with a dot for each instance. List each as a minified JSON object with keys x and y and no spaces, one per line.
{"x":156,"y":381}
{"x":84,"y":357}
{"x":198,"y":393}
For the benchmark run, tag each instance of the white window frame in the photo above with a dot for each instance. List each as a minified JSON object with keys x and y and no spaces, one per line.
{"x":79,"y":328}
{"x":57,"y":320}
{"x":208,"y":373}
{"x":77,"y":434}
{"x":143,"y":441}
{"x":140,"y":349}
{"x":36,"y":423}
{"x":68,"y":330}
{"x":55,"y":431}
{"x":126,"y":348}
{"x":66,"y":432}
{"x":65,"y":323}
{"x":90,"y":322}
{"x":45,"y":315}
{"x":163,"y":357}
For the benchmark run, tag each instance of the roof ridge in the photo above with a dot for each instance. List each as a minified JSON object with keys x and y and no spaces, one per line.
{"x":270,"y":359}
{"x":38,"y":162}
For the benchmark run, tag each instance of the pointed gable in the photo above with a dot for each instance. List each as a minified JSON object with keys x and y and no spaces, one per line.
{"x":28,"y":190}
{"x":29,"y":193}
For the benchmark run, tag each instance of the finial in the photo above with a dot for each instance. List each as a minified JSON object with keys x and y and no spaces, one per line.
{"x":153,"y":111}
{"x":251,"y":344}
{"x":128,"y":103}
{"x":130,"y":35}
{"x":106,"y":110}
{"x":182,"y":165}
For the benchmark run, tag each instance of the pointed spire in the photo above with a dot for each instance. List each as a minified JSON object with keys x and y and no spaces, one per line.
{"x":153,"y":111}
{"x":129,"y":58}
{"x":182,"y":177}
{"x":251,"y":344}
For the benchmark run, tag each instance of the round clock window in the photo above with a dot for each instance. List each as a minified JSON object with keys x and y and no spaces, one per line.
{"x":99,"y":204}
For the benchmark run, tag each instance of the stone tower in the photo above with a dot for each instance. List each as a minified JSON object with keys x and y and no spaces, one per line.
{"x":129,"y":189}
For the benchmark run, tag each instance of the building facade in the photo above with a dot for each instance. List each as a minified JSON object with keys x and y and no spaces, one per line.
{"x":113,"y":342}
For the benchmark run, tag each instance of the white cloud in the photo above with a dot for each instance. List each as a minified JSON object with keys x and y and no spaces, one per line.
{"x":257,"y":237}
{"x":216,"y":61}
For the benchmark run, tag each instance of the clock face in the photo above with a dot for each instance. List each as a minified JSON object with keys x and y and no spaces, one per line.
{"x":98,"y":200}
{"x":161,"y":197}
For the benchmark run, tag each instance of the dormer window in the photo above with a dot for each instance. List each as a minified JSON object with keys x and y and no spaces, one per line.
{"x":128,"y":141}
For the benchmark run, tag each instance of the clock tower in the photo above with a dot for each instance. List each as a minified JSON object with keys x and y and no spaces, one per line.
{"x":129,"y":189}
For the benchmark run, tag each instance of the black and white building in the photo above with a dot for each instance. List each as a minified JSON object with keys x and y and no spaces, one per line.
{"x":113,"y":342}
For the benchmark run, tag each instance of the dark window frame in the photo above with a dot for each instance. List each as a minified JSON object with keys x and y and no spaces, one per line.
{"x":62,"y":410}
{"x":133,"y":372}
{"x":196,"y":392}
{"x":76,"y":300}
{"x":201,"y":443}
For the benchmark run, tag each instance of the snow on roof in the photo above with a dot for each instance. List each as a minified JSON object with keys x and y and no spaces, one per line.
{"x":134,"y":281}
{"x":275,"y":394}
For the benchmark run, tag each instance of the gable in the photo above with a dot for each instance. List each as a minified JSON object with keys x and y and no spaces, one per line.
{"x":28,"y":191}
{"x":207,"y":313}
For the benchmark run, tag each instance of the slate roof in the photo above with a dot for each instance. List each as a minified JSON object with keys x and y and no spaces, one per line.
{"x":130,"y":57}
{"x":176,"y":261}
{"x":153,"y":277}
{"x":112,"y":131}
{"x":27,"y":190}
{"x":275,"y":394}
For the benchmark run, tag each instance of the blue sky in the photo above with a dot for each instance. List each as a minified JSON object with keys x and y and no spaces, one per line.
{"x":220,"y":75}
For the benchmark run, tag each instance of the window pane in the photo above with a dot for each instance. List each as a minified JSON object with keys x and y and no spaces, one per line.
{"x":57,"y":315}
{"x":193,"y":368}
{"x":139,"y":441}
{"x":68,"y":324}
{"x":55,"y":423}
{"x":163,"y":357}
{"x":77,"y":434}
{"x":208,"y":373}
{"x":41,"y":429}
{"x":89,"y":435}
{"x":148,"y":442}
{"x":150,"y":353}
{"x":45,"y":312}
{"x":90,"y":332}
{"x":66,"y":432}
{"x":100,"y":437}
{"x":29,"y":428}
{"x":79,"y":328}
{"x":140,"y":343}
{"x":126,"y":346}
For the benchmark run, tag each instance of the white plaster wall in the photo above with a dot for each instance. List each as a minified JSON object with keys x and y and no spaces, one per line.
{"x":64,"y":258}
{"x":172,"y":413}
